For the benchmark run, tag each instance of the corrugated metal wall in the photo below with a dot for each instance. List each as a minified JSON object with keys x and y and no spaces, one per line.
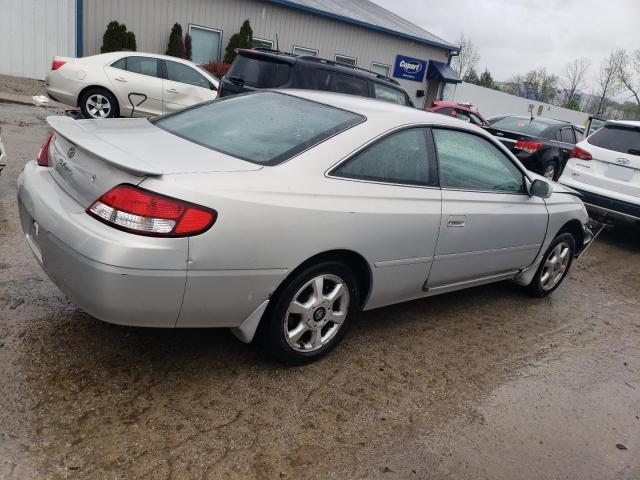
{"x":32,"y":32}
{"x":151,"y":20}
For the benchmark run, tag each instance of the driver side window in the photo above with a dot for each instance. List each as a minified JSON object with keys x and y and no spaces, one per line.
{"x":469,"y":162}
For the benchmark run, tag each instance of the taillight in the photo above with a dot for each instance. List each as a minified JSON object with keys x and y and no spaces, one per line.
{"x":578,"y":152}
{"x":43,"y":154}
{"x":56,"y":64}
{"x":528,"y":146}
{"x":140,"y":211}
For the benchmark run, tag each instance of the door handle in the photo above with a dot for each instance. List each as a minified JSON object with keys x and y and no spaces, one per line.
{"x":120,"y":79}
{"x":172,"y":90}
{"x":456,"y":221}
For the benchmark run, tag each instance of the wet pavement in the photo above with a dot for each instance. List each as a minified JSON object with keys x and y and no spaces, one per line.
{"x":485,"y":383}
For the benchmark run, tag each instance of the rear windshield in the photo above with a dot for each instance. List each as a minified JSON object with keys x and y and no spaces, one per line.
{"x":265,"y":128}
{"x":259,"y":73}
{"x":523,"y":125}
{"x":618,"y":138}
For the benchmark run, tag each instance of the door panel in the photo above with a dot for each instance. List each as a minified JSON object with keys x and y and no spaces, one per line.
{"x":502,"y":232}
{"x":184,"y":86}
{"x":126,"y":82}
{"x":490,"y":225}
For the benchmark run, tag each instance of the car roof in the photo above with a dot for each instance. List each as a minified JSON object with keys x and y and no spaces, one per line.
{"x":293,"y":59}
{"x":373,"y":109}
{"x":548,"y":121}
{"x":631,"y":123}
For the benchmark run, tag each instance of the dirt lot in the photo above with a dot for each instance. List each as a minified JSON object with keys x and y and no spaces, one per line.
{"x":486,"y":383}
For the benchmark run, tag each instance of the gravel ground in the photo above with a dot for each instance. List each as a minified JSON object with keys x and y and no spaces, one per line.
{"x":485,"y":383}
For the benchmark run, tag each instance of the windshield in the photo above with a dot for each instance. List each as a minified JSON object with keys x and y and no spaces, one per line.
{"x":265,"y":128}
{"x":521,"y":125}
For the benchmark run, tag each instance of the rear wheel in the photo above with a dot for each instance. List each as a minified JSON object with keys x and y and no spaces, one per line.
{"x":555,"y":265}
{"x":312,"y":313}
{"x":98,"y":103}
{"x":551,"y":170}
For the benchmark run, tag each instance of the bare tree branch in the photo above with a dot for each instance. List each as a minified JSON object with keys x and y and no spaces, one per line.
{"x":467,"y":59}
{"x":608,"y":77}
{"x":575,"y":76}
{"x":629,"y":73}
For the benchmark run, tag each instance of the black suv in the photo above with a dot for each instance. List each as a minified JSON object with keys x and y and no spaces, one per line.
{"x":261,"y":68}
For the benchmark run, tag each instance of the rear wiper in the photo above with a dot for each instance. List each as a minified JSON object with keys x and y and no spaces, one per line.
{"x":237,"y":80}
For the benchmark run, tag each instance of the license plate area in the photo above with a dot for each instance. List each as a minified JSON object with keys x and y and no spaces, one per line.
{"x":616,"y":172}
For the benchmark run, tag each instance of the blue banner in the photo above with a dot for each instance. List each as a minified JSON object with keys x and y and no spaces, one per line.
{"x":409,"y":68}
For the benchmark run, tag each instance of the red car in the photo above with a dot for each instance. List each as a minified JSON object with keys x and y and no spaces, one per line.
{"x":463,"y":111}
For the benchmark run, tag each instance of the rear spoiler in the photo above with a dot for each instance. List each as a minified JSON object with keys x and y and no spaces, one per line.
{"x":75,"y":133}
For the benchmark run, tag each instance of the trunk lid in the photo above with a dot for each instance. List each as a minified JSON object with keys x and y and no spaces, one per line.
{"x":89,"y":157}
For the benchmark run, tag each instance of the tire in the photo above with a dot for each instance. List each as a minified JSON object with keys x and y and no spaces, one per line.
{"x":551,"y":170}
{"x":99,"y":103}
{"x":553,"y":264}
{"x":296,"y":335}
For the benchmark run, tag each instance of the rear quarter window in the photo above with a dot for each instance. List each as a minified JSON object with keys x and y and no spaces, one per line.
{"x":260,"y":73}
{"x":619,"y":138}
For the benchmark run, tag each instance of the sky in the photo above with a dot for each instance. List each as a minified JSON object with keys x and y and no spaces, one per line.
{"x":514,"y":36}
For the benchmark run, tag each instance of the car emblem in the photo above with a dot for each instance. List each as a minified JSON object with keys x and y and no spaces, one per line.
{"x":623,"y":161}
{"x":92,"y":179}
{"x":62,"y":165}
{"x":71,"y":152}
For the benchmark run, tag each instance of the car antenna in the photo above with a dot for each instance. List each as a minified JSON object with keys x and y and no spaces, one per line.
{"x":277,"y":44}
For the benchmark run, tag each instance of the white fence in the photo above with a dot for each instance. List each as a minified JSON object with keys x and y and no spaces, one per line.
{"x":32,"y":32}
{"x":492,"y":102}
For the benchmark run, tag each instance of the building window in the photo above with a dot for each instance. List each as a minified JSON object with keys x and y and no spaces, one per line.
{"x":347,"y":60}
{"x":381,"y":69}
{"x":305,"y":51}
{"x":261,"y":43}
{"x":205,"y":44}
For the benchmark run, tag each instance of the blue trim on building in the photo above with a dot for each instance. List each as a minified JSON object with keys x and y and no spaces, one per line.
{"x":79,"y":26}
{"x":340,"y":18}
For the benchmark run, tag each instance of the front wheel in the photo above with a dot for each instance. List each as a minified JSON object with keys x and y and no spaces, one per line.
{"x":312,"y":313}
{"x":555,"y":265}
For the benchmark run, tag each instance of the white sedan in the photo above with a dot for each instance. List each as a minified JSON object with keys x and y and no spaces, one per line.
{"x":129,"y":84}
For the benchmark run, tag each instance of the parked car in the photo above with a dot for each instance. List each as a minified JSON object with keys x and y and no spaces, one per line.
{"x":543,"y":145}
{"x":129,"y":84}
{"x":257,"y":69}
{"x":286,"y":213}
{"x":461,"y":111}
{"x":605,"y":169}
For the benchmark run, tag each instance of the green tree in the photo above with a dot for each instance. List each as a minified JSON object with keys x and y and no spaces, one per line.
{"x":486,"y":80}
{"x":175,"y":48}
{"x":116,"y":38}
{"x":472,"y":77}
{"x":242,"y":39}
{"x":572,"y":104}
{"x":188,"y":50}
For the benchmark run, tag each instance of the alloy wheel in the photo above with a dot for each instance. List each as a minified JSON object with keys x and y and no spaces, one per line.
{"x":316,"y":313}
{"x":555,"y":265}
{"x":98,"y":106}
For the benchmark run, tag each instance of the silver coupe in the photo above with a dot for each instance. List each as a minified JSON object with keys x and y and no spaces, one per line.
{"x":280,"y":215}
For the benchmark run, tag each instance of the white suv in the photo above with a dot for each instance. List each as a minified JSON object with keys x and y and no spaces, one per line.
{"x":605,"y":168}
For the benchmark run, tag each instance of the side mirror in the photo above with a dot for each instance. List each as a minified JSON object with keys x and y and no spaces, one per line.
{"x":540,"y":188}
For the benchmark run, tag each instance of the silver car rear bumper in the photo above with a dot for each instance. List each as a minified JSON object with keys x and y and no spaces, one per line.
{"x":114,"y":276}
